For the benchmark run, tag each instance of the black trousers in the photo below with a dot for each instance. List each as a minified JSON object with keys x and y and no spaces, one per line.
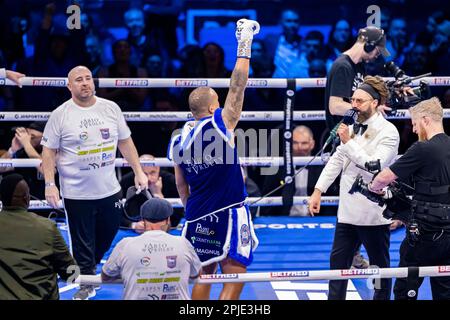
{"x":93,"y":224}
{"x":347,"y":239}
{"x":425,"y":252}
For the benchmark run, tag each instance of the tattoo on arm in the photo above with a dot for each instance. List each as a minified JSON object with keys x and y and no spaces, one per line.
{"x":235,"y":98}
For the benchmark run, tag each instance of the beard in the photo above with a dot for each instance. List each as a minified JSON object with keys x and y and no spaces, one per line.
{"x":364,"y":115}
{"x":422,"y":133}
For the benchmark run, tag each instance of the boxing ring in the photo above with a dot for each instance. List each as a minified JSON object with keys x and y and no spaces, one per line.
{"x":294,"y":253}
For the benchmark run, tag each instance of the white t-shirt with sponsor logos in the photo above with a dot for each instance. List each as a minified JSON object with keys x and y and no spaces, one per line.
{"x":154,"y":266}
{"x":86,"y":140}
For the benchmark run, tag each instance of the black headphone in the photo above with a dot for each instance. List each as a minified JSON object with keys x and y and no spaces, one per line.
{"x":133,"y":203}
{"x":369,"y":46}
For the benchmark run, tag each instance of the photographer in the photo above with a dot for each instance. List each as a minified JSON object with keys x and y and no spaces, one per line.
{"x":427,"y":241}
{"x":371,"y":138}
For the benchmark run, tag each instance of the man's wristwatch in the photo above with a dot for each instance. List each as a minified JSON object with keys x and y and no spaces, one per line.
{"x":49,"y":184}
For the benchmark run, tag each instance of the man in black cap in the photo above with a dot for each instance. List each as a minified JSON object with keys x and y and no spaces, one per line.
{"x":26,"y":144}
{"x":348,"y":71}
{"x":32,"y":250}
{"x":154,"y":265}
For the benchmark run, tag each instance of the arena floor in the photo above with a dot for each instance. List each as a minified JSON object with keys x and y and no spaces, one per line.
{"x":286,"y":244}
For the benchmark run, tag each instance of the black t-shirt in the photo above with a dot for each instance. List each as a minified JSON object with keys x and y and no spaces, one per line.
{"x":427,"y":162}
{"x":343,"y":78}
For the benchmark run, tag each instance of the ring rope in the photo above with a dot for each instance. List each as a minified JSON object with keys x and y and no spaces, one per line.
{"x":339,"y":274}
{"x":176,"y":202}
{"x":174,"y":116}
{"x":195,"y":82}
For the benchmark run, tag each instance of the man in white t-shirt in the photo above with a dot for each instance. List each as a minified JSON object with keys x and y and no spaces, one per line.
{"x":81,"y":138}
{"x":154,"y":265}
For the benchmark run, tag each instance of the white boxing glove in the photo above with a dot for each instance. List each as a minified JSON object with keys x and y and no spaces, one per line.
{"x":245,"y":30}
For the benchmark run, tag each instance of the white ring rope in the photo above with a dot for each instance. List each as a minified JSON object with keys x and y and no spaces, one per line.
{"x":342,"y":274}
{"x":176,"y":203}
{"x":195,"y":82}
{"x":164,"y":162}
{"x":186,"y":116}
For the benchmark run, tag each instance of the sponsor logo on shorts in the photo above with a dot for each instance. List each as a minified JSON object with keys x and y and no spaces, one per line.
{"x":289,"y":274}
{"x":444,"y":269}
{"x":145,"y":261}
{"x":191,"y":83}
{"x":105,"y":133}
{"x":208,"y":251}
{"x":171,"y":261}
{"x":49,"y":83}
{"x":169,"y":288}
{"x":195,"y":239}
{"x":84,"y":136}
{"x":131,"y":83}
{"x":219,"y":276}
{"x":203,"y":230}
{"x":245,"y":235}
{"x":356,"y":272}
{"x":171,"y":296}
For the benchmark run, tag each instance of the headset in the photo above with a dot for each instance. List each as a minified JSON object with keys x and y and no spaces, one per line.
{"x":133,"y":203}
{"x":369,"y":46}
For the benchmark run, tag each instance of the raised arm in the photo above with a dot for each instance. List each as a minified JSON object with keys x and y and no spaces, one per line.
{"x":245,"y":29}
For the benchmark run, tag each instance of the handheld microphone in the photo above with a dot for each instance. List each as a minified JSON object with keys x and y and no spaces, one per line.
{"x":349,"y":118}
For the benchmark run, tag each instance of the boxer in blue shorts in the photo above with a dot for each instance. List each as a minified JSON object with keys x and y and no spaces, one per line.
{"x":209,"y":178}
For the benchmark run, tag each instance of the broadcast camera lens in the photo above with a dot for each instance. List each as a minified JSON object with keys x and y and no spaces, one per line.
{"x":393,"y":69}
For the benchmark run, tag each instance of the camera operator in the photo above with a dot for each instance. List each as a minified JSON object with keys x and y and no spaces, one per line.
{"x":427,"y":241}
{"x":348,"y":70}
{"x":371,"y":138}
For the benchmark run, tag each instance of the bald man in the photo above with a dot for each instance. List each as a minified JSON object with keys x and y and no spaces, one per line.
{"x":209,"y":177}
{"x":85,"y":132}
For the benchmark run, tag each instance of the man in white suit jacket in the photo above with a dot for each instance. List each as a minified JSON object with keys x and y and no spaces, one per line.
{"x":371,"y":138}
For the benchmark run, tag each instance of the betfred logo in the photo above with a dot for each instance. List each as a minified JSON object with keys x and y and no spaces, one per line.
{"x":289,"y":274}
{"x":257,"y":83}
{"x":49,"y":83}
{"x":444,"y":269}
{"x":191,"y":83}
{"x":442,"y":81}
{"x":359,"y":272}
{"x":131,"y":83}
{"x":320,"y":82}
{"x":219,"y":276}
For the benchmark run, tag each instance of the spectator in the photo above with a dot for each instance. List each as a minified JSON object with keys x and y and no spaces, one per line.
{"x":417,"y":61}
{"x":426,"y":36}
{"x":93,"y":27}
{"x":214,"y":61}
{"x":313,"y":48}
{"x":128,"y":98}
{"x":303,"y":144}
{"x":94,"y":54}
{"x":26,"y":144}
{"x":440,"y":49}
{"x":397,"y":42}
{"x":192,"y":62}
{"x":285,"y":48}
{"x":32,"y":250}
{"x":252,"y":191}
{"x":161,"y":184}
{"x":141,"y":43}
{"x":154,"y":252}
{"x":340,"y":39}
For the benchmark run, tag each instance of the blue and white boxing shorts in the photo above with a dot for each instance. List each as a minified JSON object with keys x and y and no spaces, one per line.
{"x":224,"y":233}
